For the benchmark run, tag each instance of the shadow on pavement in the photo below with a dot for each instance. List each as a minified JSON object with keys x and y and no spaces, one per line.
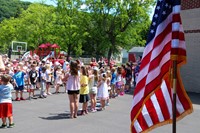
{"x":57,"y":116}
{"x":194,"y":97}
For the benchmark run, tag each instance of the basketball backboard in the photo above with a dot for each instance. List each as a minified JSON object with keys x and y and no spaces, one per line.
{"x":19,"y":46}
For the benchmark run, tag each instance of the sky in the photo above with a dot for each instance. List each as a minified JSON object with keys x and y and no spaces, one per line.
{"x":49,"y":2}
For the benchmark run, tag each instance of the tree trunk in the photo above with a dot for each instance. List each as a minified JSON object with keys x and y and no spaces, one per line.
{"x":110,"y":52}
{"x":68,"y":52}
{"x":109,"y":55}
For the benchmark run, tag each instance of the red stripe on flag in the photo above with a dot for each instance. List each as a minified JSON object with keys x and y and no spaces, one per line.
{"x":152,"y":111}
{"x":176,"y":18}
{"x":142,"y":121}
{"x":181,"y":94}
{"x":154,"y":63}
{"x":157,"y":81}
{"x":163,"y":104}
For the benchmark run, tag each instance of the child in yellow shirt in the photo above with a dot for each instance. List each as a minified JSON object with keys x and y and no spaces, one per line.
{"x":84,"y":91}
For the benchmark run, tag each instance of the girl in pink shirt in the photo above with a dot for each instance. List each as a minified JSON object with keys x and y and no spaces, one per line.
{"x":73,"y":87}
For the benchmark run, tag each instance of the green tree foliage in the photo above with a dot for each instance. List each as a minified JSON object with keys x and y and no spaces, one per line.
{"x":34,"y":25}
{"x":11,"y":8}
{"x":121,"y":21}
{"x":70,"y":25}
{"x":97,"y":28}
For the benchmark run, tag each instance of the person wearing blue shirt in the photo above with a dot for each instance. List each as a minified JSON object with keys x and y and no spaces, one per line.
{"x":6,"y":101}
{"x":113,"y":81}
{"x":19,"y":83}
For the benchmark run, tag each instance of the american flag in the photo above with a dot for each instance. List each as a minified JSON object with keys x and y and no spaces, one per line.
{"x":153,"y":98}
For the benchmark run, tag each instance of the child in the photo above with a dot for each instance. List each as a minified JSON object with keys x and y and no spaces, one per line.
{"x":73,"y":87}
{"x":49,"y":78}
{"x":58,"y":80}
{"x":103,"y":90}
{"x":84,"y":91}
{"x":6,"y":101}
{"x":19,"y":82}
{"x":109,"y":86}
{"x":113,"y":80}
{"x":119,"y":82}
{"x":32,"y":81}
{"x":93,"y":88}
{"x":43,"y":83}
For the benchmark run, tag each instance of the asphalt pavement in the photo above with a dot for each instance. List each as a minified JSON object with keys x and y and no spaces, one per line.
{"x":51,"y":115}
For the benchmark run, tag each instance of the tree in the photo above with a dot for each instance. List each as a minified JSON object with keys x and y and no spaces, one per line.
{"x":11,"y":8}
{"x":69,"y":25}
{"x":34,"y":26}
{"x":115,"y":17}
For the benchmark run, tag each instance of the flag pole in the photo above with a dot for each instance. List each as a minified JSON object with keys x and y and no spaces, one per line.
{"x":174,"y":93}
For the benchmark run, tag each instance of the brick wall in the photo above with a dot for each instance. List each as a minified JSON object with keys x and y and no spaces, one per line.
{"x":190,"y":4}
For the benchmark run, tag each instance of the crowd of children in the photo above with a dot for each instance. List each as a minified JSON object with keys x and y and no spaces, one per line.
{"x":82,"y":83}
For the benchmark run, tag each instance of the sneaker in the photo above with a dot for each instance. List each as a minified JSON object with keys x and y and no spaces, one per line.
{"x":22,"y":98}
{"x":29,"y":98}
{"x":107,"y":104}
{"x":49,"y":93}
{"x":3,"y":126}
{"x":34,"y":97}
{"x":86,"y":112}
{"x":41,"y":96}
{"x":17,"y":99}
{"x":11,"y":125}
{"x":122,"y":93}
{"x":82,"y":112}
{"x":94,"y":110}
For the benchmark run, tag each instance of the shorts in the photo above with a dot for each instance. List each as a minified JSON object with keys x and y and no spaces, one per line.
{"x":70,"y":92}
{"x":5,"y":110}
{"x":19,"y":88}
{"x":128,"y":82}
{"x":48,"y":83}
{"x":84,"y":98}
{"x":93,"y":90}
{"x":119,"y":85}
{"x":33,"y":86}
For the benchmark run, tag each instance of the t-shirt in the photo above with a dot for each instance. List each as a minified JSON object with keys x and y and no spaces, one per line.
{"x":113,"y":79}
{"x":73,"y":82}
{"x":5,"y":93}
{"x":19,"y":78}
{"x":43,"y":77}
{"x":48,"y":75}
{"x":32,"y":76}
{"x":85,"y":89}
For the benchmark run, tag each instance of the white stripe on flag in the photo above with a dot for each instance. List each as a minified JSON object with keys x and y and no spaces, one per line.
{"x":143,"y":72}
{"x":146,"y":116}
{"x":137,"y":126}
{"x":157,"y":50}
{"x":176,"y":9}
{"x":167,"y":97}
{"x":176,"y":26}
{"x":175,"y":43}
{"x":137,"y":97}
{"x":154,"y":73}
{"x":161,"y":27}
{"x":179,"y":106}
{"x":157,"y":108}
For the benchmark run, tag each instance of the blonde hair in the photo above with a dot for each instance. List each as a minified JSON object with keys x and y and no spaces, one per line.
{"x":48,"y":66}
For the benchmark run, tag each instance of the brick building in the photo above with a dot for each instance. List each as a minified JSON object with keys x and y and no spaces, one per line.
{"x":191,"y":23}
